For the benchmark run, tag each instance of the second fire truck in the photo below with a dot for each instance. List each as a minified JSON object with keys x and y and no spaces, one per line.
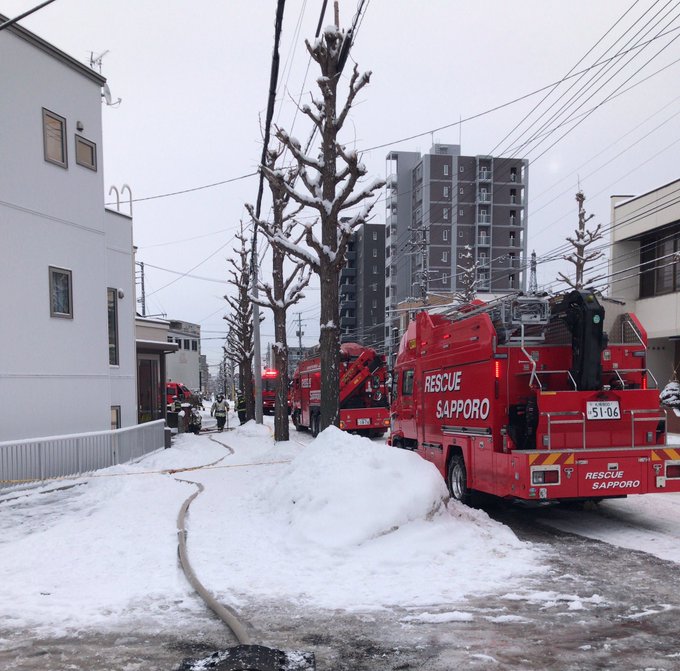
{"x":363,"y":393}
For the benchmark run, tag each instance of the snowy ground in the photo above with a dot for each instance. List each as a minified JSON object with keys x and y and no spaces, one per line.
{"x":340,"y":524}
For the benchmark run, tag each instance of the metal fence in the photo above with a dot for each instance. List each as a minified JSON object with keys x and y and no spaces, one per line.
{"x":36,"y":459}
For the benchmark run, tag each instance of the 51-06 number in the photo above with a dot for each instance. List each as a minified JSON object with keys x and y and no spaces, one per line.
{"x":603,"y":410}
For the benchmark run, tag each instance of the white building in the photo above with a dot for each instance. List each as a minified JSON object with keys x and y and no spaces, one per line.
{"x":67,"y":345}
{"x":645,"y":241}
{"x":184,"y":365}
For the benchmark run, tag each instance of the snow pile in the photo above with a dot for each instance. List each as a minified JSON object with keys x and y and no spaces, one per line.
{"x":352,"y":524}
{"x":345,"y":490}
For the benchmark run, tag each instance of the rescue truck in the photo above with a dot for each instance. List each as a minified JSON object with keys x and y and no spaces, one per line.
{"x":269,"y":376}
{"x":363,"y":393}
{"x":527,"y":398}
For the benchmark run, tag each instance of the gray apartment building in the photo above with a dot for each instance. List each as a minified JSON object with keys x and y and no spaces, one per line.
{"x":445,"y":210}
{"x":362,"y":288}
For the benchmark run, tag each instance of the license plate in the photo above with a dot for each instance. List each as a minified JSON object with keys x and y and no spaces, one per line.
{"x":603,"y":410}
{"x":363,"y":422}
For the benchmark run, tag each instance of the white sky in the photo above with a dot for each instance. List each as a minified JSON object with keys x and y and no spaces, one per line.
{"x":194,"y":79}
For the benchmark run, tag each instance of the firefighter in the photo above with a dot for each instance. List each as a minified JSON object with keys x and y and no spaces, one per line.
{"x":241,"y":406}
{"x":219,"y":411}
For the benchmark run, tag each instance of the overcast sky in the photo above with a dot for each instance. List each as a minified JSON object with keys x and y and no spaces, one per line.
{"x":193,"y":78}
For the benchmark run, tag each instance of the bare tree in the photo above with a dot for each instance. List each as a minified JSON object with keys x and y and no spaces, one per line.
{"x":331,"y":181}
{"x":467,"y":278}
{"x":582,"y":240}
{"x":285,"y":290}
{"x":240,"y":320}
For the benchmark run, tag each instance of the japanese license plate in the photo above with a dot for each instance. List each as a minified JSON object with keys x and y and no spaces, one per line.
{"x":363,"y":422}
{"x":603,"y":410}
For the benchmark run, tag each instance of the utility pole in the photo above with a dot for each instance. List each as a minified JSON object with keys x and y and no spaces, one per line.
{"x":299,"y":334}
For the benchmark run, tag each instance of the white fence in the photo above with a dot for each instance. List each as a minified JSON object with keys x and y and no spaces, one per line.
{"x":58,"y":456}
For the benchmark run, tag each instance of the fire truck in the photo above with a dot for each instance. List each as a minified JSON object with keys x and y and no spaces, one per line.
{"x":269,"y":376}
{"x":527,"y":398}
{"x":363,"y":392}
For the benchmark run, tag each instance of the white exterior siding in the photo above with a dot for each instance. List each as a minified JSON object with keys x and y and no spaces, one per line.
{"x":54,"y":372}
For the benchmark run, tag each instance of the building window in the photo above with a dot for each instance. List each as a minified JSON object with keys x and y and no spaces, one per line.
{"x":113,"y":326}
{"x":512,"y":238}
{"x":462,"y":168}
{"x":461,"y":191}
{"x":187,"y":344}
{"x":445,"y":257}
{"x":446,"y":192}
{"x":86,"y":153}
{"x":513,"y":195}
{"x":375,"y":253}
{"x":374,"y":303}
{"x":513,"y":174}
{"x":375,"y":235}
{"x":460,"y":233}
{"x":460,"y":213}
{"x":179,"y":342}
{"x":446,"y":169}
{"x":170,"y":339}
{"x":54,"y":138}
{"x":446,"y":213}
{"x":194,"y":345}
{"x":445,"y":234}
{"x":61,"y":293}
{"x":511,"y":281}
{"x":115,"y":417}
{"x":375,"y":270}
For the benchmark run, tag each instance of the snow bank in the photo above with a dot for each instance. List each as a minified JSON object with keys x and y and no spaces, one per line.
{"x":345,"y":490}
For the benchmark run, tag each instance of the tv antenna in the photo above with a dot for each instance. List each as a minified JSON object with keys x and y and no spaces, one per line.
{"x":96,"y":61}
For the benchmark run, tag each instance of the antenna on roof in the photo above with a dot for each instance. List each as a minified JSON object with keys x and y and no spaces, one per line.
{"x":97,"y":60}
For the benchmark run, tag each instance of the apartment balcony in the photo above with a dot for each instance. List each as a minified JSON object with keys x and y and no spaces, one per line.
{"x":347,"y":288}
{"x":484,"y":175}
{"x":348,"y":322}
{"x":483,"y":218}
{"x":351,"y":255}
{"x":391,"y":181}
{"x":484,"y":198}
{"x":484,"y":240}
{"x":348,"y":305}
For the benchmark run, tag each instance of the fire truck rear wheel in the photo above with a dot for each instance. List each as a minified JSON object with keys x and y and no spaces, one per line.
{"x":457,"y":480}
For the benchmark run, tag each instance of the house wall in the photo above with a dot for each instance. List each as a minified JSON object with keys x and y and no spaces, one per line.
{"x":54,"y":372}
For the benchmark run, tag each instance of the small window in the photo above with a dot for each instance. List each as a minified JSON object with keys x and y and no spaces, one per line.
{"x":445,"y":257}
{"x":375,"y":253}
{"x":187,"y":344}
{"x":179,"y":342}
{"x":170,"y":339}
{"x":115,"y":417}
{"x":113,"y":326}
{"x":194,"y":345}
{"x":446,"y":213}
{"x":61,"y":293}
{"x":446,"y":192}
{"x":462,"y":168}
{"x":445,"y":234}
{"x":86,"y":153}
{"x":513,"y":174}
{"x":54,"y":138}
{"x":461,"y":191}
{"x":375,"y":270}
{"x":460,"y":234}
{"x":375,"y":235}
{"x":446,"y":169}
{"x":407,"y":383}
{"x":374,"y":303}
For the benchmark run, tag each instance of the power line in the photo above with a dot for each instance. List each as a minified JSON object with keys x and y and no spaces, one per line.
{"x":11,"y":22}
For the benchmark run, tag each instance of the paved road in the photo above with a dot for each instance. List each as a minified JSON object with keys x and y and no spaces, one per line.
{"x":598,"y":607}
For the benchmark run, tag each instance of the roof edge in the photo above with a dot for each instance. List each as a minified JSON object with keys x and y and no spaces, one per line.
{"x":51,"y":50}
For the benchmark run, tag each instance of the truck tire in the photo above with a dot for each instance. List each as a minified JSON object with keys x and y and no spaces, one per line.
{"x":457,"y":480}
{"x":296,"y":422}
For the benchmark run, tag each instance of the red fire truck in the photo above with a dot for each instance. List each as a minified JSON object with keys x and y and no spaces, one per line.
{"x":363,"y":394}
{"x":269,"y":376}
{"x":527,"y":398}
